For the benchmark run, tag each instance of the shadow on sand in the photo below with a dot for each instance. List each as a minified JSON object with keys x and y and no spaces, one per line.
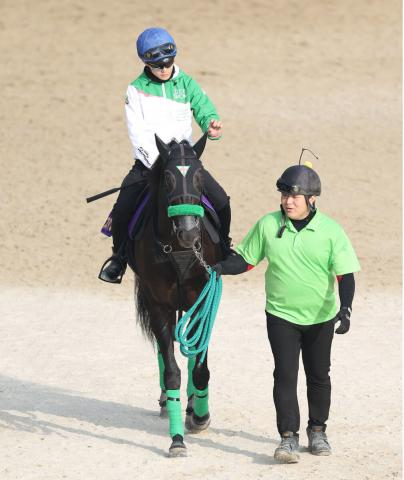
{"x":22,"y":401}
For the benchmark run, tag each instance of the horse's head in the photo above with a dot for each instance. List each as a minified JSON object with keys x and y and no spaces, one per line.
{"x":183,"y":182}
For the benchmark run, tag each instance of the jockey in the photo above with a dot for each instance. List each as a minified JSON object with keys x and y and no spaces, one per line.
{"x":162,"y":100}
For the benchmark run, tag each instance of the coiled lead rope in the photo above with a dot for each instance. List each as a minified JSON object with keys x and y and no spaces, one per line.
{"x":201,"y":317}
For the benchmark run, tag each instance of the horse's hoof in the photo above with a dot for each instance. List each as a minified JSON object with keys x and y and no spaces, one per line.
{"x":197,"y":424}
{"x":163,"y":412}
{"x":177,"y":448}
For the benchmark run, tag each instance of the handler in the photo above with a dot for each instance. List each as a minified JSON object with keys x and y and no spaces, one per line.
{"x":306,"y":251}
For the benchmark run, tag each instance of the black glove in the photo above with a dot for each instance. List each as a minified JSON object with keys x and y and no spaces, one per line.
{"x":218,"y":269}
{"x":344,"y":317}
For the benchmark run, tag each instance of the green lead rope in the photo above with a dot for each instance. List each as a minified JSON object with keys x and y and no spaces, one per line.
{"x":200,"y":316}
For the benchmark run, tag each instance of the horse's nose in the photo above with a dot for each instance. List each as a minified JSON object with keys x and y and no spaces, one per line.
{"x":187,"y":238}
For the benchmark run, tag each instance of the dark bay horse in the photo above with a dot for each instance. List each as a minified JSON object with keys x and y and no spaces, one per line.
{"x":170,"y":277}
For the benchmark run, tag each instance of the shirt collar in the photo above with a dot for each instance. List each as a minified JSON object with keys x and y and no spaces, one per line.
{"x":312,"y":225}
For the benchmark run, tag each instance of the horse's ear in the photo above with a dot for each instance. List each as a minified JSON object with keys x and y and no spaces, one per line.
{"x":199,"y":146}
{"x":162,"y":147}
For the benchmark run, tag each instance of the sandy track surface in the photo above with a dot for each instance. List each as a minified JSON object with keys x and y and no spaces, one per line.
{"x":79,"y":389}
{"x":78,"y":382}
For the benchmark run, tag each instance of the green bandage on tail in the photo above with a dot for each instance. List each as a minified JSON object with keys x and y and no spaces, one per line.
{"x":201,"y":406}
{"x":190,"y":384}
{"x":161,"y":369}
{"x":175,"y":413}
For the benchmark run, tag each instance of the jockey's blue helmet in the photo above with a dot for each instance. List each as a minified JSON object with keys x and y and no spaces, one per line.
{"x":155,"y":44}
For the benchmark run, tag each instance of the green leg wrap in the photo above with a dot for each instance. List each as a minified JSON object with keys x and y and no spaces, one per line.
{"x":175,"y":413}
{"x":161,"y":369}
{"x":201,"y":406}
{"x":190,"y":385}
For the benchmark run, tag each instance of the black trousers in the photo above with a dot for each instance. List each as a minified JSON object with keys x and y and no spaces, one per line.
{"x":125,"y":203}
{"x":124,"y":207}
{"x":287,"y":340}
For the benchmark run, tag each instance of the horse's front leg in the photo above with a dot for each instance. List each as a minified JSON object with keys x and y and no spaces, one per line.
{"x":190,"y":392}
{"x":198,"y":418}
{"x":163,"y":393}
{"x":162,"y":330}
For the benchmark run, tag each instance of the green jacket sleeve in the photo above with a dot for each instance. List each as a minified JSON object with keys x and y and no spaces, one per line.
{"x":202,"y":107}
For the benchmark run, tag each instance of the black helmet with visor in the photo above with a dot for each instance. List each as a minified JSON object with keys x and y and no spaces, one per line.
{"x":299,"y":180}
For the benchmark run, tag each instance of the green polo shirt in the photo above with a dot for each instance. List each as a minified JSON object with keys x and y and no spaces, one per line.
{"x":302,"y":266}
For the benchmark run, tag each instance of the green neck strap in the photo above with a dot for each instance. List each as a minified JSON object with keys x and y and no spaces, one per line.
{"x":185,"y":209}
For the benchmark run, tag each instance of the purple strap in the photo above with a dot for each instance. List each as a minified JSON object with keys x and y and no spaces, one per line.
{"x":206,"y":202}
{"x":137,"y":213}
{"x":106,"y":228}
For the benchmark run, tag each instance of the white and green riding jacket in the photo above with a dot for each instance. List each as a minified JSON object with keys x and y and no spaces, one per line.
{"x":165,"y":109}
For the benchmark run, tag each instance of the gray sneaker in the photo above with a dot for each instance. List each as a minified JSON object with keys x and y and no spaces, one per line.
{"x":286,"y":452}
{"x":318,"y":443}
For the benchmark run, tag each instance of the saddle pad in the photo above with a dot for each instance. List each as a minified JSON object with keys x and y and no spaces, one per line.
{"x":107,"y":227}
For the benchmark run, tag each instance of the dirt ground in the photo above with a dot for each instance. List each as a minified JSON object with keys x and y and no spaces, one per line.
{"x":78,"y":383}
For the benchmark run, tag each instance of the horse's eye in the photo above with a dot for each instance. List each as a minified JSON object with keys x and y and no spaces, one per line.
{"x":169,"y":181}
{"x":198,"y":180}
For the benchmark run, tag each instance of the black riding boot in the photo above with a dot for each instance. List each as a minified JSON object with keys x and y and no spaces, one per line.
{"x":224,"y":215}
{"x":132,"y":187}
{"x":114,"y":267}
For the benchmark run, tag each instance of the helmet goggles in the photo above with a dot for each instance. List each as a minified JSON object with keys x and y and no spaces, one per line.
{"x":288,"y":189}
{"x":159,"y":53}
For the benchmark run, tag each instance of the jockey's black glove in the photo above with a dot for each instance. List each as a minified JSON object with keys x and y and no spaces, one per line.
{"x":344,"y":317}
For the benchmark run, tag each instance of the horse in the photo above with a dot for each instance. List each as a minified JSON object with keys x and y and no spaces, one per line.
{"x":168,"y":260}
